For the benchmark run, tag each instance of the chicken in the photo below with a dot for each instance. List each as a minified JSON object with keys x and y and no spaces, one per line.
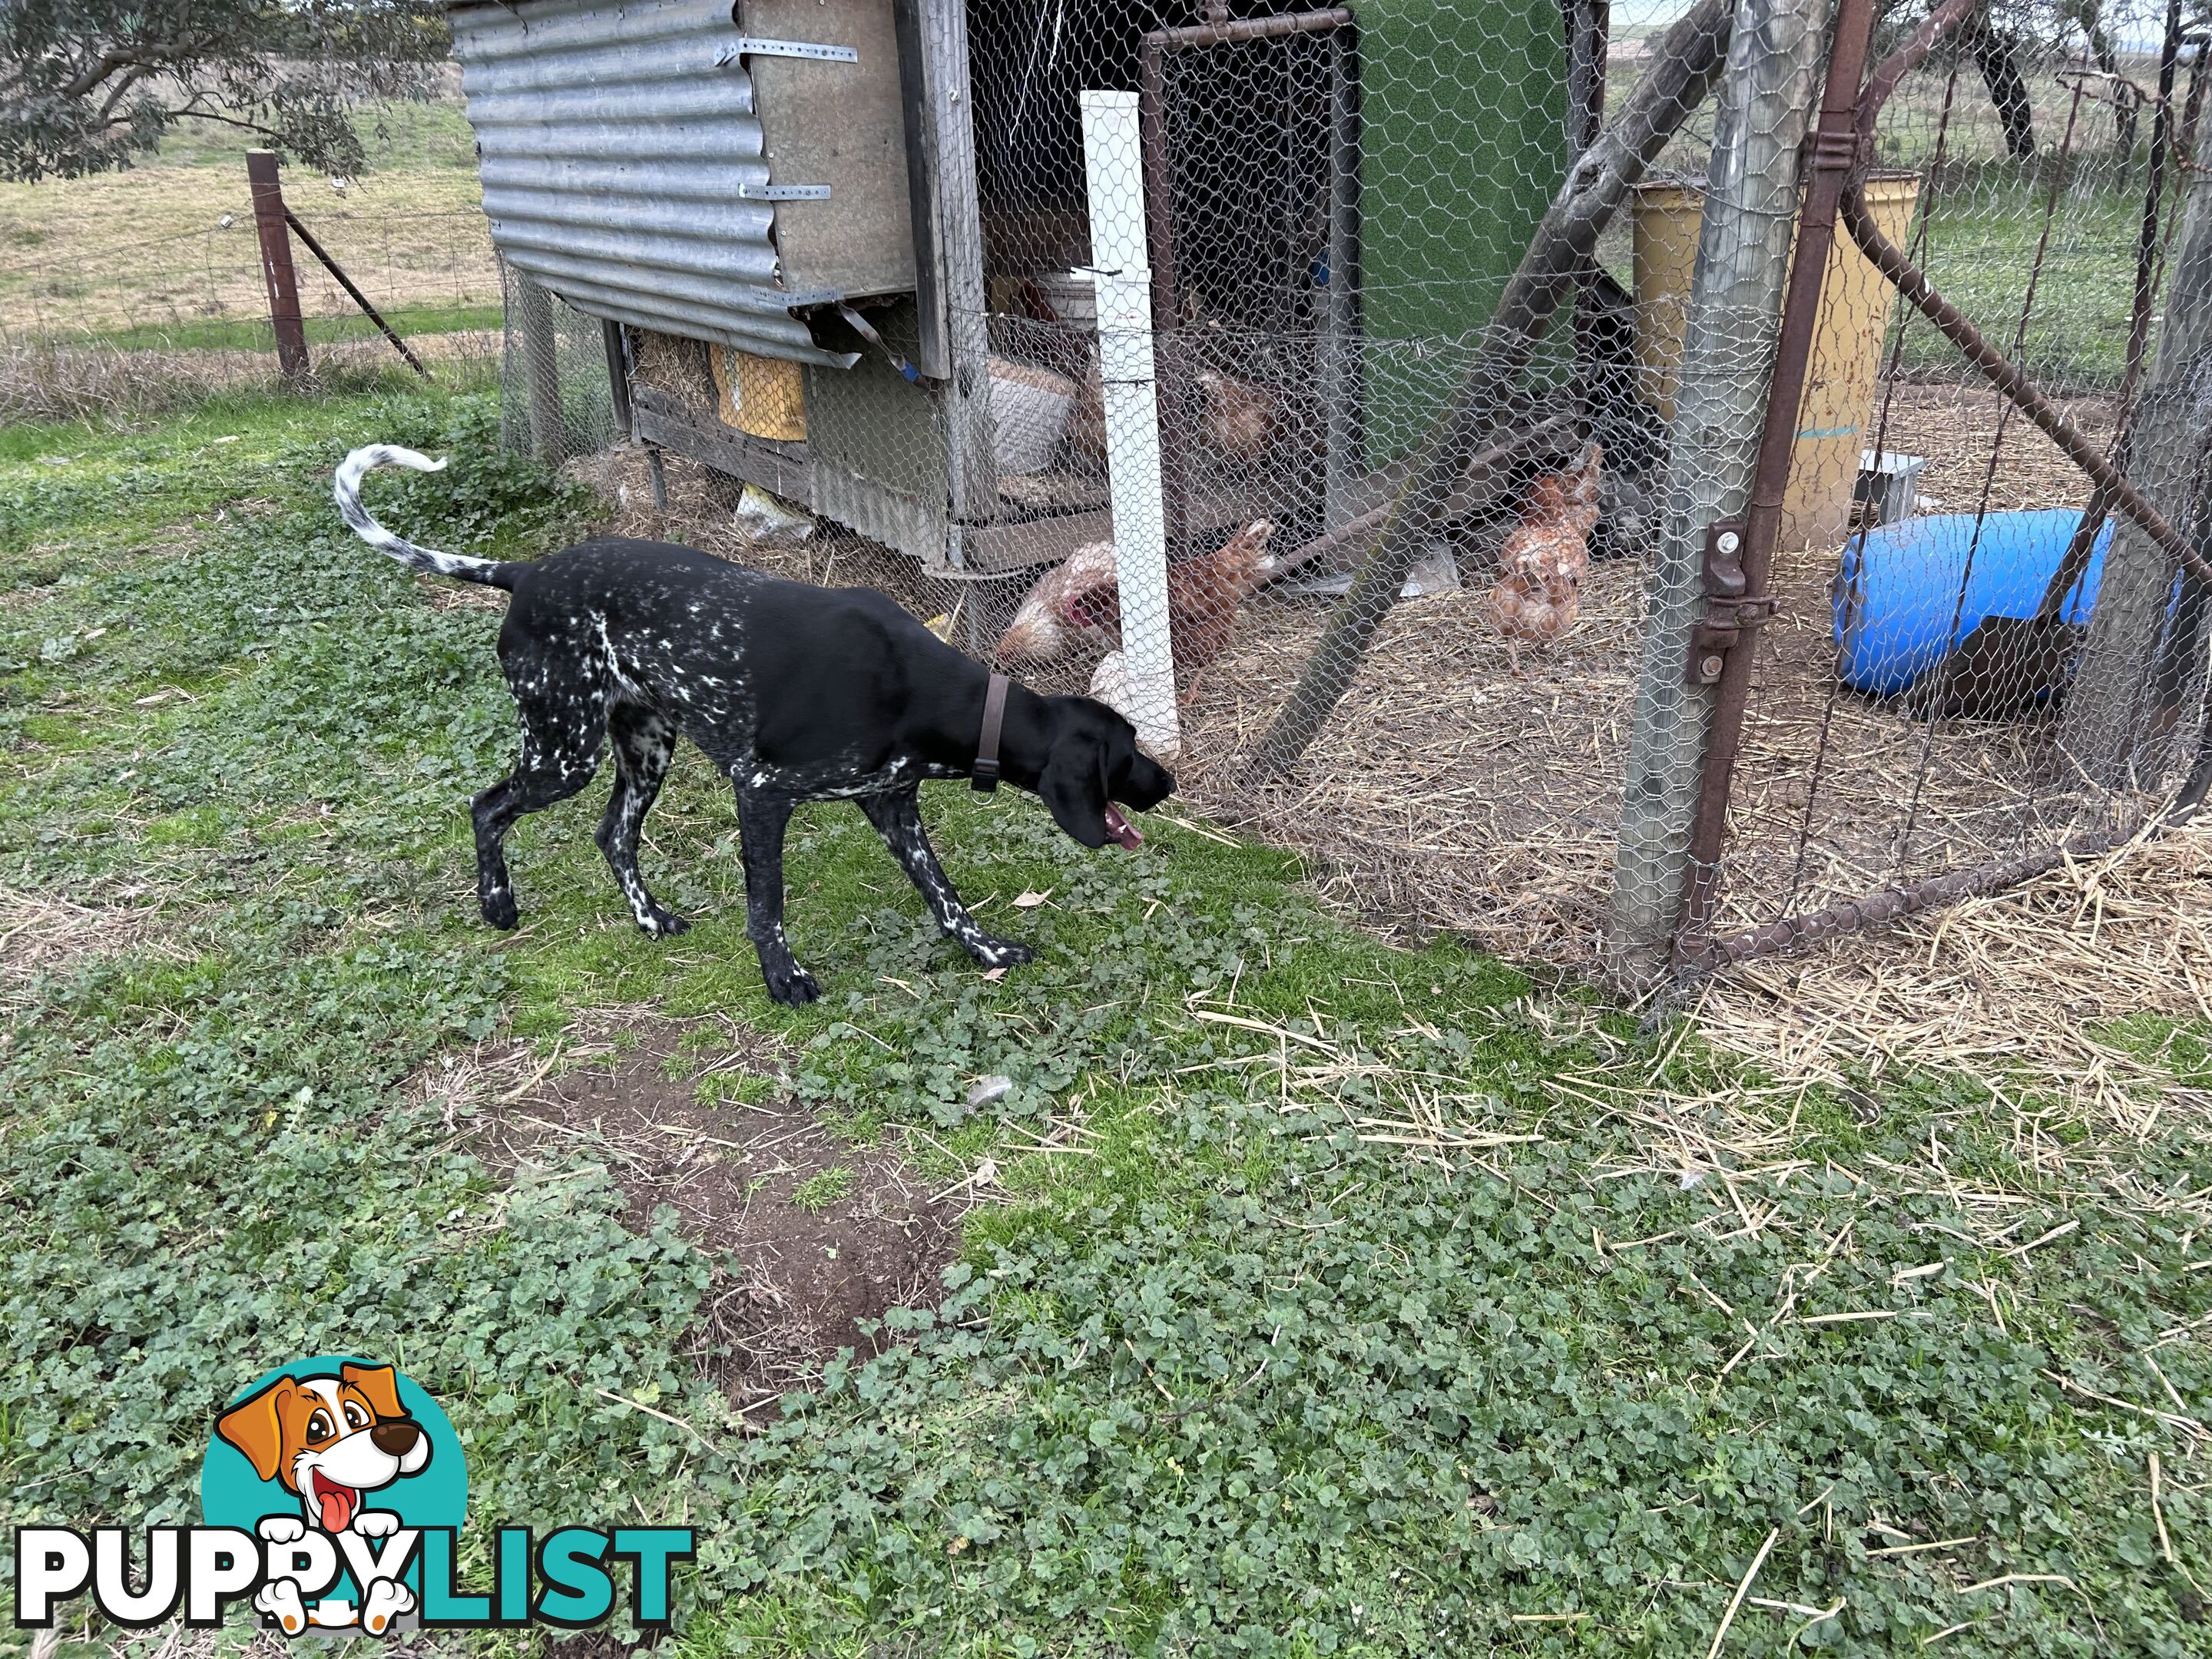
{"x":1239,"y":415}
{"x":1239,"y":418}
{"x":1079,"y":604}
{"x":1545,"y":557}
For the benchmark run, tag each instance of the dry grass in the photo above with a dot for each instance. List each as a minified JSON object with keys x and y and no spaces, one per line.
{"x":1956,"y":427}
{"x":41,"y":935}
{"x":2024,"y":987}
{"x":1447,"y":795}
{"x":248,"y":1641}
{"x":146,"y":248}
{"x":50,"y":382}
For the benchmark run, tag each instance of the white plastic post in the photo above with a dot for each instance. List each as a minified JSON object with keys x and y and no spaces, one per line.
{"x":1112,"y":156}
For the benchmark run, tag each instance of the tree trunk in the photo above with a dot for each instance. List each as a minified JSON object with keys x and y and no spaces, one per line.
{"x":2107,"y":709}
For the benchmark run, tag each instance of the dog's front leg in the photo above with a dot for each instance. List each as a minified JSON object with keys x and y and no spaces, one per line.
{"x":897,"y":818}
{"x":761,"y":817}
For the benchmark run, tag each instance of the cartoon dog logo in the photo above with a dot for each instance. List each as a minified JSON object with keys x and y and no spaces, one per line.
{"x":331,"y":1442}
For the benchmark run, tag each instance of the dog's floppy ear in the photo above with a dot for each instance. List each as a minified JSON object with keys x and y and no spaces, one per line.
{"x":379,"y":1384}
{"x":255,"y":1426}
{"x":1073,"y":787}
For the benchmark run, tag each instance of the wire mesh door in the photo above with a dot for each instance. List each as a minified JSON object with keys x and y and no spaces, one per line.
{"x":1982,"y":660}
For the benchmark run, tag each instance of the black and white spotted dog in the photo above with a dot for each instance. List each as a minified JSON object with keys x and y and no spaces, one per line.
{"x":796,"y":693}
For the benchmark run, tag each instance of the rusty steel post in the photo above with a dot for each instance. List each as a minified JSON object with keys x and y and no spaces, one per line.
{"x":276,"y":264}
{"x":1834,"y":151}
{"x":353,"y":291}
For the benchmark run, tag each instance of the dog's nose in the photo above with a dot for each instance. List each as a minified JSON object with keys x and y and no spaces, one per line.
{"x":395,"y":1439}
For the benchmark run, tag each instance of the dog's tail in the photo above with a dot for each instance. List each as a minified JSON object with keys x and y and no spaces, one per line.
{"x":491,"y":572}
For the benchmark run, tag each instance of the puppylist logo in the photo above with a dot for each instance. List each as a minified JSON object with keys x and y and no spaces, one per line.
{"x":333,"y":1494}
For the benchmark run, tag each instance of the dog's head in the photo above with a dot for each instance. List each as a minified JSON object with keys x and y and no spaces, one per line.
{"x":1093,"y":762}
{"x":329,"y":1439}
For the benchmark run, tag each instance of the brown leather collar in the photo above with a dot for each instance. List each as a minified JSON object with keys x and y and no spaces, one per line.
{"x":985,"y":777}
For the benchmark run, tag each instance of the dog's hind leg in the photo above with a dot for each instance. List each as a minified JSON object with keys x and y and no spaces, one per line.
{"x":897,"y":818}
{"x":762,"y":818}
{"x":561,"y":738}
{"x":643,"y":743}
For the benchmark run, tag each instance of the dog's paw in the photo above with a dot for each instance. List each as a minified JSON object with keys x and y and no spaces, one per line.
{"x":498,"y":908}
{"x":794,"y":986}
{"x":280,"y":1598}
{"x":663,"y":924}
{"x":1001,"y":953}
{"x":376,"y":1523}
{"x":281,"y":1528}
{"x":386,"y":1601}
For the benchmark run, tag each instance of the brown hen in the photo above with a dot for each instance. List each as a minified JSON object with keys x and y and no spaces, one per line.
{"x":1078,"y":605}
{"x":1545,"y":557}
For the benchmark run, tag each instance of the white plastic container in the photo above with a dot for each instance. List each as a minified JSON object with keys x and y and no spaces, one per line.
{"x":1030,"y":408}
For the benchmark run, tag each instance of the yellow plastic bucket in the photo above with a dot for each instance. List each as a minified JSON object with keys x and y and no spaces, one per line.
{"x":1833,"y":421}
{"x":764,"y":396}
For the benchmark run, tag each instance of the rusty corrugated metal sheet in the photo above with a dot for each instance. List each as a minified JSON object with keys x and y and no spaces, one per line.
{"x":616,"y":159}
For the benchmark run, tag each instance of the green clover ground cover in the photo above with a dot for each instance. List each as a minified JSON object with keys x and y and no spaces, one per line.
{"x":1377,"y":1311}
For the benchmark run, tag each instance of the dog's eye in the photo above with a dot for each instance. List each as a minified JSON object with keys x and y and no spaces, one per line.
{"x":320,"y":1426}
{"x":355,"y":1415}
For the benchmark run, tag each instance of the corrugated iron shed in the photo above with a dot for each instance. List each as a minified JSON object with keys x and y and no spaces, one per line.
{"x":624,"y":168}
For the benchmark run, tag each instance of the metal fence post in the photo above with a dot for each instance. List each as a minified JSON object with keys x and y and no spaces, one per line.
{"x":1728,"y":349}
{"x":2105,"y":714}
{"x":541,"y":368}
{"x":276,"y":264}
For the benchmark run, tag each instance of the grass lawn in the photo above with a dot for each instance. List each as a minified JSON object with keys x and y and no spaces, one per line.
{"x":1981,"y":252}
{"x":1396,"y":1306}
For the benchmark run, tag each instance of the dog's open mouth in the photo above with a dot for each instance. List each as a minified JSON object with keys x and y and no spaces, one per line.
{"x":334,"y":1504}
{"x":1119,"y":828}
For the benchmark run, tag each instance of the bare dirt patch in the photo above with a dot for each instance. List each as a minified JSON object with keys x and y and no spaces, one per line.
{"x":815,"y":1238}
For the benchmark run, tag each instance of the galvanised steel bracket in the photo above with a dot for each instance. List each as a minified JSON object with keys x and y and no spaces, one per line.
{"x":749,"y":45}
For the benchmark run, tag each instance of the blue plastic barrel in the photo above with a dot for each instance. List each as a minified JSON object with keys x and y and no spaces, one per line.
{"x":1898,"y":605}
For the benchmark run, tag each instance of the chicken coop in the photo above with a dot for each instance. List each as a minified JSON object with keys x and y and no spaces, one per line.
{"x":1429,"y":419}
{"x":847,"y":247}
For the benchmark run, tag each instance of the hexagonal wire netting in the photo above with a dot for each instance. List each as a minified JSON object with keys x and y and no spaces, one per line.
{"x":1370,"y":379}
{"x":1348,"y":378}
{"x":1999,"y":663}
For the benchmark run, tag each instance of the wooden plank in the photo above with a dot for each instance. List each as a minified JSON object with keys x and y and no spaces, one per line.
{"x":781,"y":469}
{"x":842,"y":125}
{"x":966,"y":392}
{"x":933,"y":354}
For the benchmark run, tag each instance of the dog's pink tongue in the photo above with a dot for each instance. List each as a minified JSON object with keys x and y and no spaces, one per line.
{"x":337,"y":1503}
{"x":1119,"y":828}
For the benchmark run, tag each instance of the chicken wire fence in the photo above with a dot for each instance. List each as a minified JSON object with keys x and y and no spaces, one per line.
{"x":1375,"y":388}
{"x":1329,"y":210}
{"x":2003,"y":668}
{"x":557,"y":382}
